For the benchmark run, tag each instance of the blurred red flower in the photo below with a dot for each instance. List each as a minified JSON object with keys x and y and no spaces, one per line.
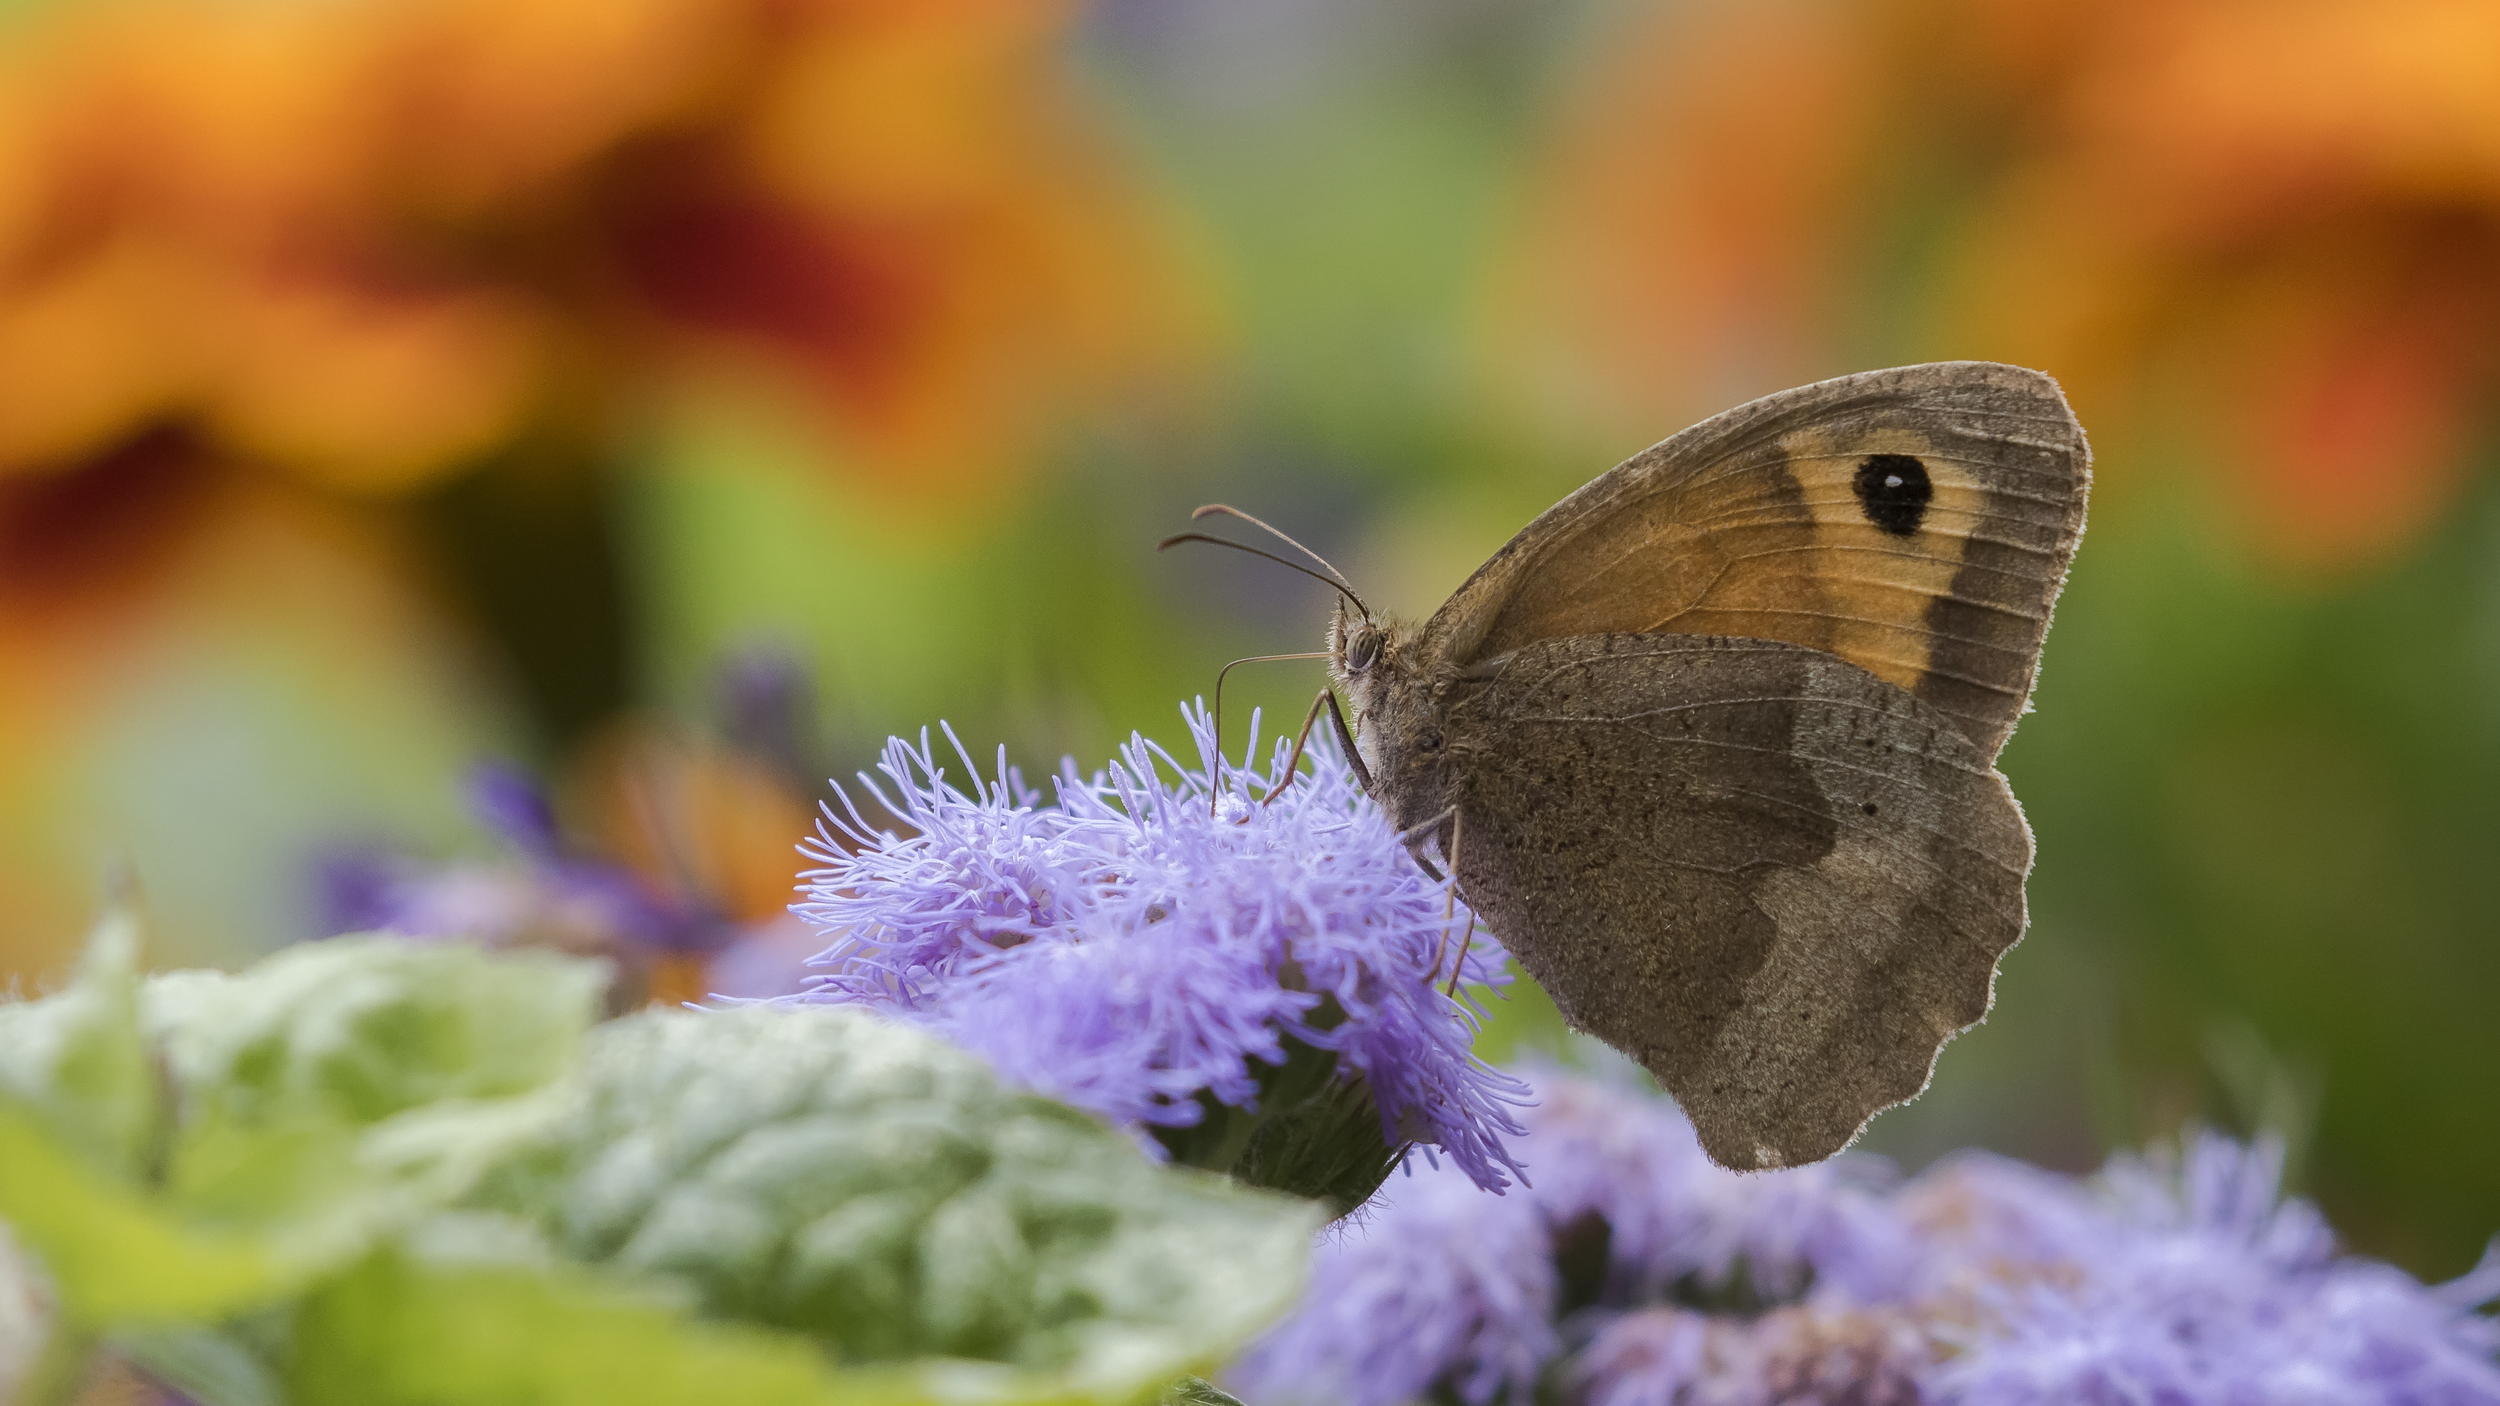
{"x":2271,"y":230}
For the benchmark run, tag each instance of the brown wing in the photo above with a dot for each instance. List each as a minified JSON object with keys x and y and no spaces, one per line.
{"x":1774,"y":879}
{"x":1916,"y":522}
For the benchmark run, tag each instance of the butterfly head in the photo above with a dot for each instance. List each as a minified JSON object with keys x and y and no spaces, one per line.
{"x":1366,"y":658}
{"x":1354,"y":643}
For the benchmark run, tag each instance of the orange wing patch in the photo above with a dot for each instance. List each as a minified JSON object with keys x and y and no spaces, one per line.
{"x":1878,"y":586}
{"x":1916,"y":523}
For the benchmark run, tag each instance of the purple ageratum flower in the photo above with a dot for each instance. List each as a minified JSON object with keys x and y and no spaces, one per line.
{"x":1983,"y":1281}
{"x":1435,"y":1282}
{"x":1674,"y":1218}
{"x":1187,"y":956}
{"x":1799,"y":1355}
{"x":1440,"y":1286}
{"x":2199,"y":1283}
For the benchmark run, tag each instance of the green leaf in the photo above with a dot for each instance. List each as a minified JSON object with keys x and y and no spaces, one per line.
{"x":1198,"y":1391}
{"x":77,"y":1118}
{"x":210,"y":1367}
{"x":75,"y":1062}
{"x":327,"y":1098}
{"x":838,"y":1174}
{"x":343,"y":1087}
{"x":114,"y":1254}
{"x":711,"y":1207}
{"x":358,"y":1029}
{"x":430,"y":1325}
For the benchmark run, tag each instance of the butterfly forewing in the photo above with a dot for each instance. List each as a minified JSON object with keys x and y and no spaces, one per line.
{"x":1916,"y":522}
{"x":1776,"y":880}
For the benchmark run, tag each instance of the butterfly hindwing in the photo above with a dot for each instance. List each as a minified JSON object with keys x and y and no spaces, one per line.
{"x":1916,"y":522}
{"x":1778,"y":881}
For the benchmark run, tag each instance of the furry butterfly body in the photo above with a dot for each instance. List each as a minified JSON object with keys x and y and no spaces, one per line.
{"x":1710,"y":745}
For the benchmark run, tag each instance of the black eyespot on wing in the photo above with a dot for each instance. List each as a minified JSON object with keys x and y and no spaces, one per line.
{"x":1893,"y":491}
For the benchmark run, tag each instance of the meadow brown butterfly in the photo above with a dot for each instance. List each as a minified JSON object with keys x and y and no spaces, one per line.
{"x":1710,"y":744}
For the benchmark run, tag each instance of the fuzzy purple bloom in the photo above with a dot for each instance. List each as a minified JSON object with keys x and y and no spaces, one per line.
{"x":1634,"y":1273}
{"x":1158,"y":951}
{"x":1798,"y":1354}
{"x":2196,"y":1282}
{"x":1435,"y":1282}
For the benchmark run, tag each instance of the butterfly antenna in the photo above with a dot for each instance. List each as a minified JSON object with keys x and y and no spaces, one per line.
{"x":1335,"y":585}
{"x":1228,"y":510}
{"x":1218,"y":720}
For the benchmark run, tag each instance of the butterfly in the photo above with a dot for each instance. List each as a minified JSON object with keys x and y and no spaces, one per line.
{"x":1710,"y":745}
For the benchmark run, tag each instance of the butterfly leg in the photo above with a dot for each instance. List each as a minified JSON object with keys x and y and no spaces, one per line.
{"x":1449,"y":913}
{"x":1345,"y":741}
{"x":1458,"y":827}
{"x":1293,"y":763}
{"x":1414,"y":838}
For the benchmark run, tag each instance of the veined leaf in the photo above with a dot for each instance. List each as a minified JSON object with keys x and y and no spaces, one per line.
{"x":329,"y":1097}
{"x":834,"y":1173}
{"x":415,"y":1326}
{"x":361,"y":1028}
{"x":759,"y":1205}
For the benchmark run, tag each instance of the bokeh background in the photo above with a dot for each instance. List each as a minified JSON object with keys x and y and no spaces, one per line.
{"x":671,"y":398}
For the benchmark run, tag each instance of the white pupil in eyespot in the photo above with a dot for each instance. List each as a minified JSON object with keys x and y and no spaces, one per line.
{"x":1892,"y":480}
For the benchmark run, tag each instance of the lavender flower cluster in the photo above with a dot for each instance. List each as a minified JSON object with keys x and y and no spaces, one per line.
{"x":1634,"y":1273}
{"x":1157,"y":950}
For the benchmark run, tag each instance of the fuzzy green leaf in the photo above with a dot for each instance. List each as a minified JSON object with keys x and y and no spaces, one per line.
{"x":834,"y":1173}
{"x":343,"y":1087}
{"x":357,"y":1029}
{"x":77,"y":1119}
{"x":456,"y":1318}
{"x":75,"y":1063}
{"x":336,"y":1092}
{"x":114,"y":1254}
{"x":765,"y":1204}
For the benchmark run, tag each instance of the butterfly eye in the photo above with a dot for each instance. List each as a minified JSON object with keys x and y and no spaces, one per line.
{"x":1365,"y":649}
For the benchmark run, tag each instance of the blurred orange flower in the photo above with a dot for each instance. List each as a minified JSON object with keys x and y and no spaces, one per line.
{"x":2271,"y":229}
{"x":367,"y":242}
{"x":265,"y":263}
